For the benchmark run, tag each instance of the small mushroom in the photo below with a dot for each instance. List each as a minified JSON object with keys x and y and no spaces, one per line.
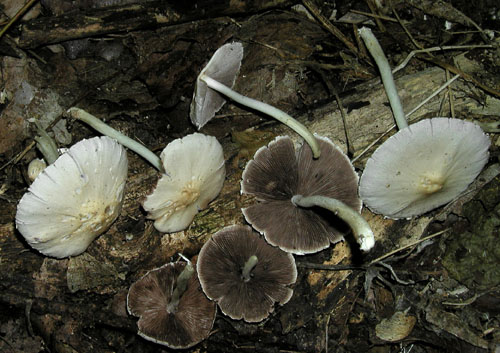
{"x":214,"y":79}
{"x":35,"y":167}
{"x":424,"y":165}
{"x":75,"y":199}
{"x":244,"y":274}
{"x":172,"y":309}
{"x":195,"y":173}
{"x":277,"y":173}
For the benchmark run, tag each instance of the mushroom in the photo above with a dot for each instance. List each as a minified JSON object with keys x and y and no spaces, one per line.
{"x":172,"y":309}
{"x":195,"y":173}
{"x":219,"y":76}
{"x":75,"y":199}
{"x":35,"y":167}
{"x":424,"y":165}
{"x":277,"y":174}
{"x":244,"y":274}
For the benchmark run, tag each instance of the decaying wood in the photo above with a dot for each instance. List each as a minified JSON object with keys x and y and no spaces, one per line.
{"x":127,"y":18}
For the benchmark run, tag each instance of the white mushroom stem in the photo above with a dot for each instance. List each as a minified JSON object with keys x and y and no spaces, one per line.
{"x":248,"y":267}
{"x":97,"y":124}
{"x":376,"y":51}
{"x":180,"y":287}
{"x":360,"y":228}
{"x":265,"y":108}
{"x":46,"y":145}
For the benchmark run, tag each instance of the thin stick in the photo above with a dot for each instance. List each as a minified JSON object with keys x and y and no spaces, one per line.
{"x":19,"y":14}
{"x":329,"y":26}
{"x":314,"y":266}
{"x":450,"y":96}
{"x":342,"y":114}
{"x":429,"y":50}
{"x":378,"y":259}
{"x":368,"y":14}
{"x":464,"y":75}
{"x":415,"y":43}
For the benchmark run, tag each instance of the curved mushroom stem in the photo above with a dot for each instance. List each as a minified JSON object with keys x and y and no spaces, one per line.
{"x":46,"y":145}
{"x":376,"y":51}
{"x":360,"y":228}
{"x":180,"y":287}
{"x":103,"y":128}
{"x":265,"y":108}
{"x":249,"y":266}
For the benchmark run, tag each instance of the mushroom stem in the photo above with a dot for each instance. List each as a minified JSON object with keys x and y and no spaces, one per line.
{"x":376,"y":51}
{"x":180,"y":287}
{"x":360,"y":228}
{"x":103,"y":128}
{"x":248,"y":267}
{"x":265,"y":108}
{"x":46,"y":145}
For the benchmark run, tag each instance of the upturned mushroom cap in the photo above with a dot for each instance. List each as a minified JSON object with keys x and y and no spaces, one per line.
{"x":195,"y":173}
{"x":222,"y":67}
{"x":75,"y":199}
{"x":277,"y":173}
{"x":220,"y":265}
{"x":423,"y":166}
{"x":149,"y":299}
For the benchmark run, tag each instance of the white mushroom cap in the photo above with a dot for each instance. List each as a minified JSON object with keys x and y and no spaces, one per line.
{"x":195,"y":172}
{"x":222,"y":67}
{"x":75,"y":199}
{"x":423,"y":166}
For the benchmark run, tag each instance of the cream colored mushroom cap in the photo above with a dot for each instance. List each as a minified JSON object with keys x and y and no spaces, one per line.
{"x":75,"y":199}
{"x":195,"y":173}
{"x":423,"y":166}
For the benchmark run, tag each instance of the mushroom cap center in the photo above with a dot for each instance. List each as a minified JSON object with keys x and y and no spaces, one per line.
{"x":189,"y":193}
{"x":96,"y":215}
{"x":430,"y":183}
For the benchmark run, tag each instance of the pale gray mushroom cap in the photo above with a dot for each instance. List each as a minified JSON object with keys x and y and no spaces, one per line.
{"x":195,"y":173}
{"x":222,"y":67}
{"x":423,"y":166}
{"x":75,"y":199}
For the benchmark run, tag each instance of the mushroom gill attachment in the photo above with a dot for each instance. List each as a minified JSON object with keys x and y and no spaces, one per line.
{"x":75,"y":199}
{"x":171,"y":313}
{"x":244,"y":274}
{"x":195,"y":173}
{"x":423,"y":166}
{"x":277,"y":173}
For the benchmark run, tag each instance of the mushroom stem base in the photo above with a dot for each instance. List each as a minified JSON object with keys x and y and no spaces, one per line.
{"x":360,"y":228}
